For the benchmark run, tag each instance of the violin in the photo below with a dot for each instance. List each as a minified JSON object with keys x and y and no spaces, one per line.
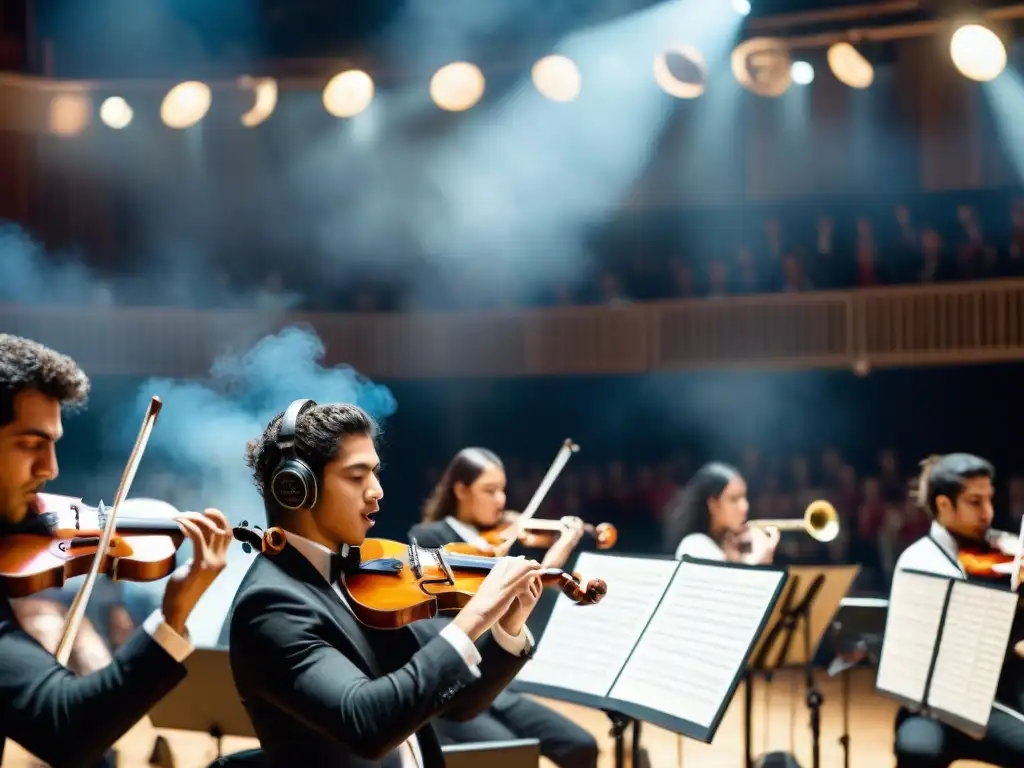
{"x":991,"y":559}
{"x":536,"y":534}
{"x":63,"y":537}
{"x":395,"y":584}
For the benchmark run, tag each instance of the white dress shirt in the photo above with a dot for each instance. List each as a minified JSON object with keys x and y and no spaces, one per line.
{"x":936,"y":553}
{"x":320,"y":557}
{"x":177,"y":646}
{"x":699,"y":545}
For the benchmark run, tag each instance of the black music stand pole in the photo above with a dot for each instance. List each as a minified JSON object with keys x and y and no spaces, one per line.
{"x":844,"y":740}
{"x":814,"y":697}
{"x":789,"y":625}
{"x":619,"y":725}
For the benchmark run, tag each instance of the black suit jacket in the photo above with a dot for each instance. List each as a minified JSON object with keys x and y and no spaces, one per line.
{"x":321,"y":689}
{"x":68,"y":720}
{"x":433,"y":535}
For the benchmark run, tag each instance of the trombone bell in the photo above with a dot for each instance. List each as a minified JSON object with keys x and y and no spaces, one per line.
{"x":820,"y":522}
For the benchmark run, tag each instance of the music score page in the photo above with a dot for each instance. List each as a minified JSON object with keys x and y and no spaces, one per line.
{"x":584,"y":647}
{"x":911,"y":632}
{"x":691,"y":653}
{"x":971,"y":651}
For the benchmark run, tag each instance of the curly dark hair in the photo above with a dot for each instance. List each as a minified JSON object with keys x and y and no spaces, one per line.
{"x":26,"y":365}
{"x":319,"y":431}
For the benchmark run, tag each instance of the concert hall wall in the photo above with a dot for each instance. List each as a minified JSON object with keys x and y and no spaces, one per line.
{"x":639,"y":420}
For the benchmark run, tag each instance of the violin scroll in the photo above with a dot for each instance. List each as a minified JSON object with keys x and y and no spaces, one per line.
{"x":269,"y":542}
{"x":605,"y":535}
{"x":583,"y":593}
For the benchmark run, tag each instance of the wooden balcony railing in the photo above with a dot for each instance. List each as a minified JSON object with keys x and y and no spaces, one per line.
{"x":919,"y":325}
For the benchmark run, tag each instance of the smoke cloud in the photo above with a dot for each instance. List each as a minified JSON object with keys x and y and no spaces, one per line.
{"x":204,"y":426}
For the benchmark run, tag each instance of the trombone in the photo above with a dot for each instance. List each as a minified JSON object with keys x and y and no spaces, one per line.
{"x":820,"y":522}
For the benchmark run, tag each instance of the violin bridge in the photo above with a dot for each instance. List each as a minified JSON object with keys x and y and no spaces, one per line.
{"x":442,"y":563}
{"x":414,"y":560}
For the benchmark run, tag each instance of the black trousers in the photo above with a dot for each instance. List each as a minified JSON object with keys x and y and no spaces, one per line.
{"x":922,"y":742}
{"x":513,"y":716}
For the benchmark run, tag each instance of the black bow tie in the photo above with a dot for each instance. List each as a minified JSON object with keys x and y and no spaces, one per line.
{"x":343,"y":562}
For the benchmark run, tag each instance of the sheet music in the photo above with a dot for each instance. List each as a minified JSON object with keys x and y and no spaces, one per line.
{"x":911,"y":631}
{"x":695,"y":646}
{"x":971,"y":651}
{"x":584,"y":647}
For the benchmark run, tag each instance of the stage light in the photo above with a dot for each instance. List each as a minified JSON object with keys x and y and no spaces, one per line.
{"x":348,"y":94}
{"x":69,"y":113}
{"x":557,"y":78}
{"x":457,"y":86}
{"x":742,"y":7}
{"x":116,"y":113}
{"x":265,"y":99}
{"x":185,"y":104}
{"x":762,"y":66}
{"x":849,"y":66}
{"x":802,"y":73}
{"x":681,"y":71}
{"x":977,"y":52}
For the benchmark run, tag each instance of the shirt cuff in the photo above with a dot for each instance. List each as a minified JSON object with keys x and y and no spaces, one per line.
{"x":178,"y":648}
{"x":518,"y":645}
{"x":466,"y":648}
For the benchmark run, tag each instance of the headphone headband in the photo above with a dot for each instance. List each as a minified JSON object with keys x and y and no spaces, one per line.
{"x":286,"y":432}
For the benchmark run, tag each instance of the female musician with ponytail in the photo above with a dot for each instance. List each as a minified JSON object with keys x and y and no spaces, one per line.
{"x":468,"y":500}
{"x":708,"y":519}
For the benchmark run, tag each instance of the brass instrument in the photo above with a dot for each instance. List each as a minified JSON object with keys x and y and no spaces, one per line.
{"x":820,"y":522}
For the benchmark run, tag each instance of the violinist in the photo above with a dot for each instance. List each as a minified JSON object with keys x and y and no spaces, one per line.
{"x":62,"y":718}
{"x":957,"y":490}
{"x":467,"y":500}
{"x":320,"y":687}
{"x":708,"y":519}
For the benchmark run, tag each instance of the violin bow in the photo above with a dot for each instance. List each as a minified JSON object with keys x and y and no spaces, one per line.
{"x":561,"y":459}
{"x":77,"y":611}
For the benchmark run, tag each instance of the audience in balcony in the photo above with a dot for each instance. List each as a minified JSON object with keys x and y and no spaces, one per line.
{"x":645,"y":255}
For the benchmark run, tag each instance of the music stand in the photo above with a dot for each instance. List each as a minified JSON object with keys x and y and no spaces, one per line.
{"x":791,"y":638}
{"x":669,"y":644}
{"x":856,"y":640}
{"x":937,"y":652}
{"x":206,"y":700}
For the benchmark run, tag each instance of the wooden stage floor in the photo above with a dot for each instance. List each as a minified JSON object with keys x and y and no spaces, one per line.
{"x":780,"y":723}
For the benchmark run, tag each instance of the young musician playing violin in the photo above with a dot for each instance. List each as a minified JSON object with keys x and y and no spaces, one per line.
{"x":62,"y":718}
{"x":957,"y":490}
{"x":708,"y":519}
{"x":319,"y":686}
{"x":468,"y":499}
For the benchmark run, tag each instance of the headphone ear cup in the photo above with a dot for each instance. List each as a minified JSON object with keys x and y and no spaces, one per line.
{"x":294,"y":486}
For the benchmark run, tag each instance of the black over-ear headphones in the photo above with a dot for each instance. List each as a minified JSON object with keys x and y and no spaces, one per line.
{"x":293,"y":484}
